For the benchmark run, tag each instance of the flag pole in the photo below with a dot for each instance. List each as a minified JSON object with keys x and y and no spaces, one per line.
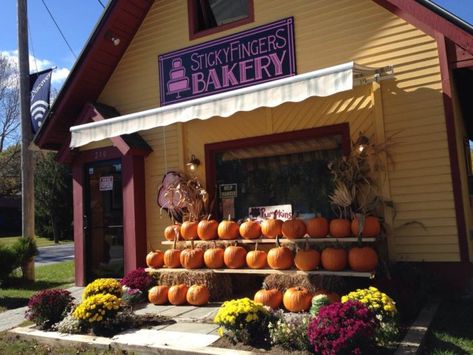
{"x":27,"y":195}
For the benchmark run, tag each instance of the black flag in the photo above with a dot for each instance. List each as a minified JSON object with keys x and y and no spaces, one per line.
{"x":40,"y":84}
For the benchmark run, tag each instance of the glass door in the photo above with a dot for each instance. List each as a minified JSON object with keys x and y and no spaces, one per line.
{"x":103,"y":220}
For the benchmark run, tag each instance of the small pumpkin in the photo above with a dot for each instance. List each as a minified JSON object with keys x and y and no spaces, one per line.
{"x":177,"y":294}
{"x":198,"y":295}
{"x":362,"y":259}
{"x":171,"y":231}
{"x":271,"y":298}
{"x":250,"y":229}
{"x":334,"y":259}
{"x":371,"y":226}
{"x":172,"y":257}
{"x":189,"y":230}
{"x":228,"y":229}
{"x":158,"y":294}
{"x":297,"y":299}
{"x":256,"y":259}
{"x":340,"y":228}
{"x":155,"y":259}
{"x":318,"y":301}
{"x":213,"y":257}
{"x":192,"y":258}
{"x":293,"y":228}
{"x":280,"y":257}
{"x":207,"y":229}
{"x":331,"y":296}
{"x":271,"y":228}
{"x":317,"y":227}
{"x":307,"y":259}
{"x":234,"y":257}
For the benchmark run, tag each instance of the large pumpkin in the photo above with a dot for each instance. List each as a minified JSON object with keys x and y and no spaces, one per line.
{"x":271,"y":228}
{"x":340,"y":228}
{"x":317,"y":227}
{"x":271,"y":298}
{"x":334,"y":259}
{"x":155,"y":259}
{"x":207,"y":229}
{"x":158,"y":294}
{"x":307,"y":259}
{"x":189,"y":230}
{"x":228,"y":229}
{"x":280,"y":257}
{"x":177,"y":294}
{"x":170,"y":232}
{"x":250,"y":230}
{"x":213,"y":258}
{"x":256,"y":259}
{"x":293,"y":228}
{"x":192,"y":258}
{"x":297,"y":299}
{"x":198,"y":295}
{"x":371,"y":226}
{"x":363,"y":259}
{"x":234,"y":257}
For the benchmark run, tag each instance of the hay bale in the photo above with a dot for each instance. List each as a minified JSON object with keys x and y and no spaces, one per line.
{"x":312,"y":282}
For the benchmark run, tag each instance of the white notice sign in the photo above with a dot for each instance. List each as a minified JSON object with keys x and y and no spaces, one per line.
{"x":282,"y":212}
{"x":106,"y":183}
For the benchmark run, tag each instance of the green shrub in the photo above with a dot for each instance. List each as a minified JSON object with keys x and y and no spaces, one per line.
{"x":8,"y":262}
{"x":24,"y":249}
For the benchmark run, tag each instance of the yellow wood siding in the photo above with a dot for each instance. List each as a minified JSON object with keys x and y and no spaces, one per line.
{"x":327,"y":33}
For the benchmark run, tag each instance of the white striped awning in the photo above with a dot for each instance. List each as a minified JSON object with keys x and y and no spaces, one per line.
{"x":323,"y":82}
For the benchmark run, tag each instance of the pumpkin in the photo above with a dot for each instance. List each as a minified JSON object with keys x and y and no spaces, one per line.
{"x":271,"y":298}
{"x":334,"y":259}
{"x":256,"y":259}
{"x":155,"y":259}
{"x":331,"y":296}
{"x":307,"y":259}
{"x":297,"y":299}
{"x":198,"y":295}
{"x":371,"y":226}
{"x":234,"y":257}
{"x":317,"y":227}
{"x":339,"y":228}
{"x":363,"y":259}
{"x":207,"y":229}
{"x":280,"y":257}
{"x":293,"y":228}
{"x":228,"y":229}
{"x":177,"y":294}
{"x":189,"y":230}
{"x":318,"y":301}
{"x":271,"y":228}
{"x":213,"y":257}
{"x":192,"y":258}
{"x":158,"y":294}
{"x":171,"y":231}
{"x":250,"y":229}
{"x":172,"y":257}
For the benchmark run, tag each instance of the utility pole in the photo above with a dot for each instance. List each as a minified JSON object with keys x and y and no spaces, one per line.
{"x":27,"y":193}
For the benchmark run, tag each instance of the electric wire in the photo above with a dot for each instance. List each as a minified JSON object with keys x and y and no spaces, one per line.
{"x":32,"y":48}
{"x":100,"y":2}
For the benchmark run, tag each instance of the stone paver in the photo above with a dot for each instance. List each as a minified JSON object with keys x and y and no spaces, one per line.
{"x":197,"y":328}
{"x":202,"y":314}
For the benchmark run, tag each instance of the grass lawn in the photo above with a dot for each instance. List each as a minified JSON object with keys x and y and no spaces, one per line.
{"x":451,"y":331}
{"x":40,"y":242}
{"x":16,"y":292}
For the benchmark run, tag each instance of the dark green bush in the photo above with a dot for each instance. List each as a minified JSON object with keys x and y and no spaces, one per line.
{"x":8,"y":262}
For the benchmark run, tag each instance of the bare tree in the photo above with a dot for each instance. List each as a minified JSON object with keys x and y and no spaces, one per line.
{"x":9,"y":104}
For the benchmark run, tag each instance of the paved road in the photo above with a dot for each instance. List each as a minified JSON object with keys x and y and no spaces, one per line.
{"x":55,"y":254}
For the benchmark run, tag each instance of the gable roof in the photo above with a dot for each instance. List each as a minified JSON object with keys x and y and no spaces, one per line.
{"x":122,"y":19}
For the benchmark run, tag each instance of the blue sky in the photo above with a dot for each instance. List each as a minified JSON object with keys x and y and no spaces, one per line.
{"x":77,"y":19}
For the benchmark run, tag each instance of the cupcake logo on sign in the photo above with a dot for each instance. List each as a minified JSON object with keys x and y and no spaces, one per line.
{"x":247,"y":58}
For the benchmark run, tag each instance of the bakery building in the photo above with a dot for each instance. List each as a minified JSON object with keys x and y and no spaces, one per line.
{"x":260,"y":96}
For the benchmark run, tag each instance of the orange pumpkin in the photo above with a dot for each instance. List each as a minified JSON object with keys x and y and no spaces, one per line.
{"x":192,"y":258}
{"x":340,"y":228}
{"x":155,"y":259}
{"x":234,"y":257}
{"x":317,"y":227}
{"x":297,"y":299}
{"x":198,"y":295}
{"x":172,"y":258}
{"x":213,"y":258}
{"x":334,"y":259}
{"x":189,"y":230}
{"x":228,"y":229}
{"x":250,"y":229}
{"x":256,"y":259}
{"x":158,"y":294}
{"x":207,"y":229}
{"x":332,"y":296}
{"x":280,"y":257}
{"x":307,"y":259}
{"x":171,"y":231}
{"x":293,"y":228}
{"x":271,"y":228}
{"x":177,"y":294}
{"x":271,"y":298}
{"x":371,"y":227}
{"x":363,"y":259}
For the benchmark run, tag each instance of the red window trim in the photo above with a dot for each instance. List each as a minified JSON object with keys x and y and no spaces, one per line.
{"x":191,"y":12}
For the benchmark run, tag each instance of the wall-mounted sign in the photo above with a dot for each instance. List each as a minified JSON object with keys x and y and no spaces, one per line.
{"x":228,"y":190}
{"x":282,"y":212}
{"x":106,"y":183}
{"x":246,"y":58}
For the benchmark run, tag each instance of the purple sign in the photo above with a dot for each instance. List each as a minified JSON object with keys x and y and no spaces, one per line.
{"x":247,"y":58}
